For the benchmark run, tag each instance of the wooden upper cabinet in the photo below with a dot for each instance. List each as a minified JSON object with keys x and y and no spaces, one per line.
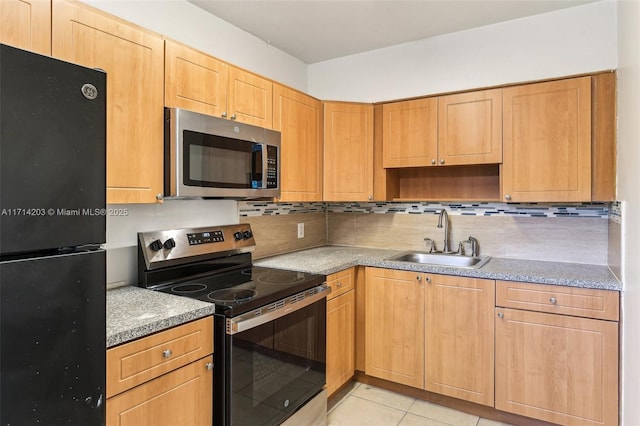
{"x":194,"y":81}
{"x":460,"y":129}
{"x":547,"y":141}
{"x":201,"y":83}
{"x":250,"y":98}
{"x":470,"y":128}
{"x":26,"y":24}
{"x":299,"y":119}
{"x":348,"y":152}
{"x":133,"y":60}
{"x":410,"y":132}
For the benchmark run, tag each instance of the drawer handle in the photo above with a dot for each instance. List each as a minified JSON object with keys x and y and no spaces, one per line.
{"x":167,"y":353}
{"x":209,"y":366}
{"x":553,"y":300}
{"x":500,"y":315}
{"x":338,"y":284}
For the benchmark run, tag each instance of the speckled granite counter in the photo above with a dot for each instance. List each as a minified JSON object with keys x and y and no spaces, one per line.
{"x":134,"y":312}
{"x":329,"y":259}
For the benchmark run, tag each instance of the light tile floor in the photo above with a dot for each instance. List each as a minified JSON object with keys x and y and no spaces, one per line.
{"x":366,"y":405}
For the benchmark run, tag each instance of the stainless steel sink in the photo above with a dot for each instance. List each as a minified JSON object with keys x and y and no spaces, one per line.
{"x":440,"y":259}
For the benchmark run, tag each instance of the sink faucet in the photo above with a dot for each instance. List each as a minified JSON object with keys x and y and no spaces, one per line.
{"x":445,"y":215}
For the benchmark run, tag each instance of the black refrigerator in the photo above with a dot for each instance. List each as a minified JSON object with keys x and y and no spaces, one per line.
{"x":52,"y":225}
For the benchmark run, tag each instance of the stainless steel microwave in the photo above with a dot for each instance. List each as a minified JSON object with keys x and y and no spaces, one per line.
{"x":207,"y":156}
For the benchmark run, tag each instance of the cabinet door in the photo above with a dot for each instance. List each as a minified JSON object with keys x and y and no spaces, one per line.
{"x":26,"y":24}
{"x":133,"y":60}
{"x":547,"y":141}
{"x":394,"y":335}
{"x":460,"y":337}
{"x":182,"y":397}
{"x":348,"y":152}
{"x":250,"y":98}
{"x":194,"y":81}
{"x":470,"y":128}
{"x":340,"y":340}
{"x":298,"y":118}
{"x":410,"y":133}
{"x":557,"y":368}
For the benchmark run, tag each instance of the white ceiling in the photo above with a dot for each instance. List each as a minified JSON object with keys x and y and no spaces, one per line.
{"x":315,"y":31}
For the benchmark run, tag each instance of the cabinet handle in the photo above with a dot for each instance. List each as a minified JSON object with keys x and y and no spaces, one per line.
{"x":209,"y":366}
{"x":500,"y":315}
{"x":233,"y":116}
{"x":338,"y":284}
{"x":552,"y":300}
{"x":167,"y":353}
{"x":224,"y":114}
{"x":442,"y":161}
{"x":507,"y":197}
{"x":159,"y":197}
{"x":428,"y":279}
{"x":419,"y":278}
{"x":370,"y":197}
{"x":433,"y":161}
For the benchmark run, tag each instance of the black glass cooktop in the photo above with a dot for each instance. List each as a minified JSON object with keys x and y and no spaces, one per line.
{"x":244,"y":289}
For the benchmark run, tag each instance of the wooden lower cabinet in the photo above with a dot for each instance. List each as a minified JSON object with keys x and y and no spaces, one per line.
{"x":340,"y":340}
{"x":341,"y":329}
{"x":459,"y":338}
{"x":164,"y":379}
{"x":394,"y":332}
{"x":554,"y":360}
{"x":182,"y":397}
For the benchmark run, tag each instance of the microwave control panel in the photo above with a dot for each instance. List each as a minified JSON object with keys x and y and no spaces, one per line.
{"x":272,"y":166}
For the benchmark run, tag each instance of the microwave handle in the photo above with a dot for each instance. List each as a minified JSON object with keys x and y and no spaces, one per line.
{"x":253,"y":319}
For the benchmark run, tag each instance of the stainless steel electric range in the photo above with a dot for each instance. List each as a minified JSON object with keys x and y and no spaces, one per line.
{"x":269,"y":324}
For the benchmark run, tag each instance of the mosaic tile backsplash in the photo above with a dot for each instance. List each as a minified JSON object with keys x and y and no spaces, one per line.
{"x":594,"y":210}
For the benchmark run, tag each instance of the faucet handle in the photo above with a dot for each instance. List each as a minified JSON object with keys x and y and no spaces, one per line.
{"x":431,"y":244}
{"x":474,"y":245}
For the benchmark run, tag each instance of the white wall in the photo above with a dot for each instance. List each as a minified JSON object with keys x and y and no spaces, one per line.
{"x":628,"y":193}
{"x":187,"y":23}
{"x":570,"y":41}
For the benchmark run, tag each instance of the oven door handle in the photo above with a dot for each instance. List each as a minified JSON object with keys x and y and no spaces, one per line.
{"x":276,"y":310}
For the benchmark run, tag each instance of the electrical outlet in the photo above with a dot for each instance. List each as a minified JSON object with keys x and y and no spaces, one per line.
{"x":301,"y":230}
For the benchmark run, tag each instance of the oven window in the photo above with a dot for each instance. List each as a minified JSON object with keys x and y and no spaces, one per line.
{"x":278,"y":366}
{"x":216,"y":161}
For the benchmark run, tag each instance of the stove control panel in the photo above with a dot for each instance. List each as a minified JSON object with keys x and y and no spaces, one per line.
{"x":205,"y":237}
{"x":164,"y":248}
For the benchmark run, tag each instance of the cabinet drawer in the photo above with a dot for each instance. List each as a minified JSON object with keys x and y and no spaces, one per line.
{"x":582,"y":302}
{"x":181,"y":397}
{"x":136,"y":362}
{"x":340,"y":282}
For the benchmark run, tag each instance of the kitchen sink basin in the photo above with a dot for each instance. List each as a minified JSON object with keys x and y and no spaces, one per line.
{"x":440,"y":259}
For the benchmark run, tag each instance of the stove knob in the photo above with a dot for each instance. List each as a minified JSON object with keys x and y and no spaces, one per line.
{"x":156,"y":245}
{"x":169,"y":244}
{"x":237,"y":236}
{"x":247,"y":234}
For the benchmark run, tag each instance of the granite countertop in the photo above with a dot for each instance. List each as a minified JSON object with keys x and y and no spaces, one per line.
{"x":134,"y":312}
{"x":330,"y":259}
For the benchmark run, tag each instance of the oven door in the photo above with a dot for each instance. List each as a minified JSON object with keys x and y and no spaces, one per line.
{"x":272,"y":368}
